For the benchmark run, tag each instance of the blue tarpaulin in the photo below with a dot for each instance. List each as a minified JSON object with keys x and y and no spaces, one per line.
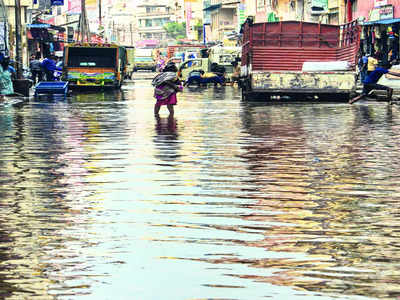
{"x":388,"y":21}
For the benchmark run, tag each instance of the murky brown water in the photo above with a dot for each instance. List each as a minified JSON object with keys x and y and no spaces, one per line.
{"x":228,"y":200}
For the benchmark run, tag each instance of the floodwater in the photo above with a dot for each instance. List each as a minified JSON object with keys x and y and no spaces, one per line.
{"x":227,"y":200}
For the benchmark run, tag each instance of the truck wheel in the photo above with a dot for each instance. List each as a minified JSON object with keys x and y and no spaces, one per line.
{"x":196,"y":82}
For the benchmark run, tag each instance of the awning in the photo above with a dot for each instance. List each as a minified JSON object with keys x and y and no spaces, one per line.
{"x":212,"y":7}
{"x":45,"y":26}
{"x":388,"y":21}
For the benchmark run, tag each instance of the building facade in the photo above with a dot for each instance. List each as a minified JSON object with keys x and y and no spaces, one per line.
{"x":26,"y":6}
{"x":323,"y":11}
{"x":222,"y":20}
{"x":151,"y":17}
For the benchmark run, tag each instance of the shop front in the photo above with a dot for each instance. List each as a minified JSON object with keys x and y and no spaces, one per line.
{"x":45,"y":39}
{"x":380,"y":31}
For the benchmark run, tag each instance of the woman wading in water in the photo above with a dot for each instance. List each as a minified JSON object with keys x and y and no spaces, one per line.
{"x":166,"y":86}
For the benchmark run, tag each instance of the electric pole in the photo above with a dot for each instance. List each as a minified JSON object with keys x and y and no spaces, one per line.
{"x":100,"y":21}
{"x":83,"y":24}
{"x":18,"y":49}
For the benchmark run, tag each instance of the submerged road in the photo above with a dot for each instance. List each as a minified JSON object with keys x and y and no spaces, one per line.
{"x":227,"y":200}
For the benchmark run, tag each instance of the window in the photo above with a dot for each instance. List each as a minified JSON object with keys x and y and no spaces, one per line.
{"x":189,"y":64}
{"x":261,"y":5}
{"x":89,"y":57}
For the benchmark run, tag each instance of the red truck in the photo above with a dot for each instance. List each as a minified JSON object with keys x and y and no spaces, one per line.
{"x":298,"y":58}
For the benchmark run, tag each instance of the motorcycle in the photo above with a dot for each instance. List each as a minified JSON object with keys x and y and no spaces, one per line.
{"x":27,"y":74}
{"x":57,"y":75}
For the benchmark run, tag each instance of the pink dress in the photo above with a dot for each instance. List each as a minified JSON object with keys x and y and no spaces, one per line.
{"x":170,"y":100}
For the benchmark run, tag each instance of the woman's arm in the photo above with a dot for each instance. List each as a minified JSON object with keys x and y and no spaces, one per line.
{"x":172,"y":85}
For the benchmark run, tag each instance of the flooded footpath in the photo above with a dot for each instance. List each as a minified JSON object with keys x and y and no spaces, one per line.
{"x":227,"y":200}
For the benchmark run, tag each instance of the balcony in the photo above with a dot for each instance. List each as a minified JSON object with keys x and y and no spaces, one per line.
{"x":153,"y":14}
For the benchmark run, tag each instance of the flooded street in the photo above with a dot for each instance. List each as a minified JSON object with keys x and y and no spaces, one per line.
{"x":227,"y":200}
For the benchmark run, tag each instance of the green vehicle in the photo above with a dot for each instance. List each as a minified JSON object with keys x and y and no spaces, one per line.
{"x":94,"y":65}
{"x":130,"y":56}
{"x":144,"y":60}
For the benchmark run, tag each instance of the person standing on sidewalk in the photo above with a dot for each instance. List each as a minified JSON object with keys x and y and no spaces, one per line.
{"x":370,"y":83}
{"x":36,"y":69}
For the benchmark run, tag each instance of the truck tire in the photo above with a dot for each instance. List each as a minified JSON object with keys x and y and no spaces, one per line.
{"x":196,"y":82}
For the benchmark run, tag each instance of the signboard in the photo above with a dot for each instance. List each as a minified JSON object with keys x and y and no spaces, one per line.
{"x":378,"y":3}
{"x":241,"y":11}
{"x":74,"y":7}
{"x":57,"y":2}
{"x":385,"y":12}
{"x":188,"y":10}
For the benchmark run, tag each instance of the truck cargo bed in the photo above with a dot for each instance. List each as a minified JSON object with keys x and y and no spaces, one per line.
{"x":273,"y":55}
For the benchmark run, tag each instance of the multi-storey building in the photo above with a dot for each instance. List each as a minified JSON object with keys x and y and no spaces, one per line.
{"x":151,"y":17}
{"x":324,"y":11}
{"x":223,"y":15}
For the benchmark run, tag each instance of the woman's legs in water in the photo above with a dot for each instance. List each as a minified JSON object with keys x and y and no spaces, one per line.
{"x":171,"y":110}
{"x":156,"y":109}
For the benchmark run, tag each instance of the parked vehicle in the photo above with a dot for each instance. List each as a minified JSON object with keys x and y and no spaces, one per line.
{"x":144,"y":60}
{"x":274,"y":56}
{"x":198,"y":78}
{"x":94,"y":65}
{"x":172,"y":50}
{"x":225,"y":56}
{"x":199,"y":64}
{"x":130,"y":56}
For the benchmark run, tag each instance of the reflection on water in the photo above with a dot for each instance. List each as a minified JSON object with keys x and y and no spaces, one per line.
{"x":226,"y":200}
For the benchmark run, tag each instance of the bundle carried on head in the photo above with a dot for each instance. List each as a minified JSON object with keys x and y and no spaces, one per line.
{"x":163,"y":77}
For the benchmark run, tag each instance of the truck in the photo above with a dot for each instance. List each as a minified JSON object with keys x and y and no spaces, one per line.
{"x":144,"y":60}
{"x":130,"y":57}
{"x":274,"y":55}
{"x":99,"y":65}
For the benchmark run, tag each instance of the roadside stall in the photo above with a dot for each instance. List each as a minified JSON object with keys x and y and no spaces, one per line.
{"x":380,"y":34}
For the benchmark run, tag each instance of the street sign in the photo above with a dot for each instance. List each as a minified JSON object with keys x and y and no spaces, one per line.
{"x":57,"y":2}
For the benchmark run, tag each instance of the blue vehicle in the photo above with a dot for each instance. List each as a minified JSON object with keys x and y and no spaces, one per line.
{"x":200,"y":78}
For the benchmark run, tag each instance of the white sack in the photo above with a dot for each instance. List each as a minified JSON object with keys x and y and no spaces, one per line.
{"x":325,"y":66}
